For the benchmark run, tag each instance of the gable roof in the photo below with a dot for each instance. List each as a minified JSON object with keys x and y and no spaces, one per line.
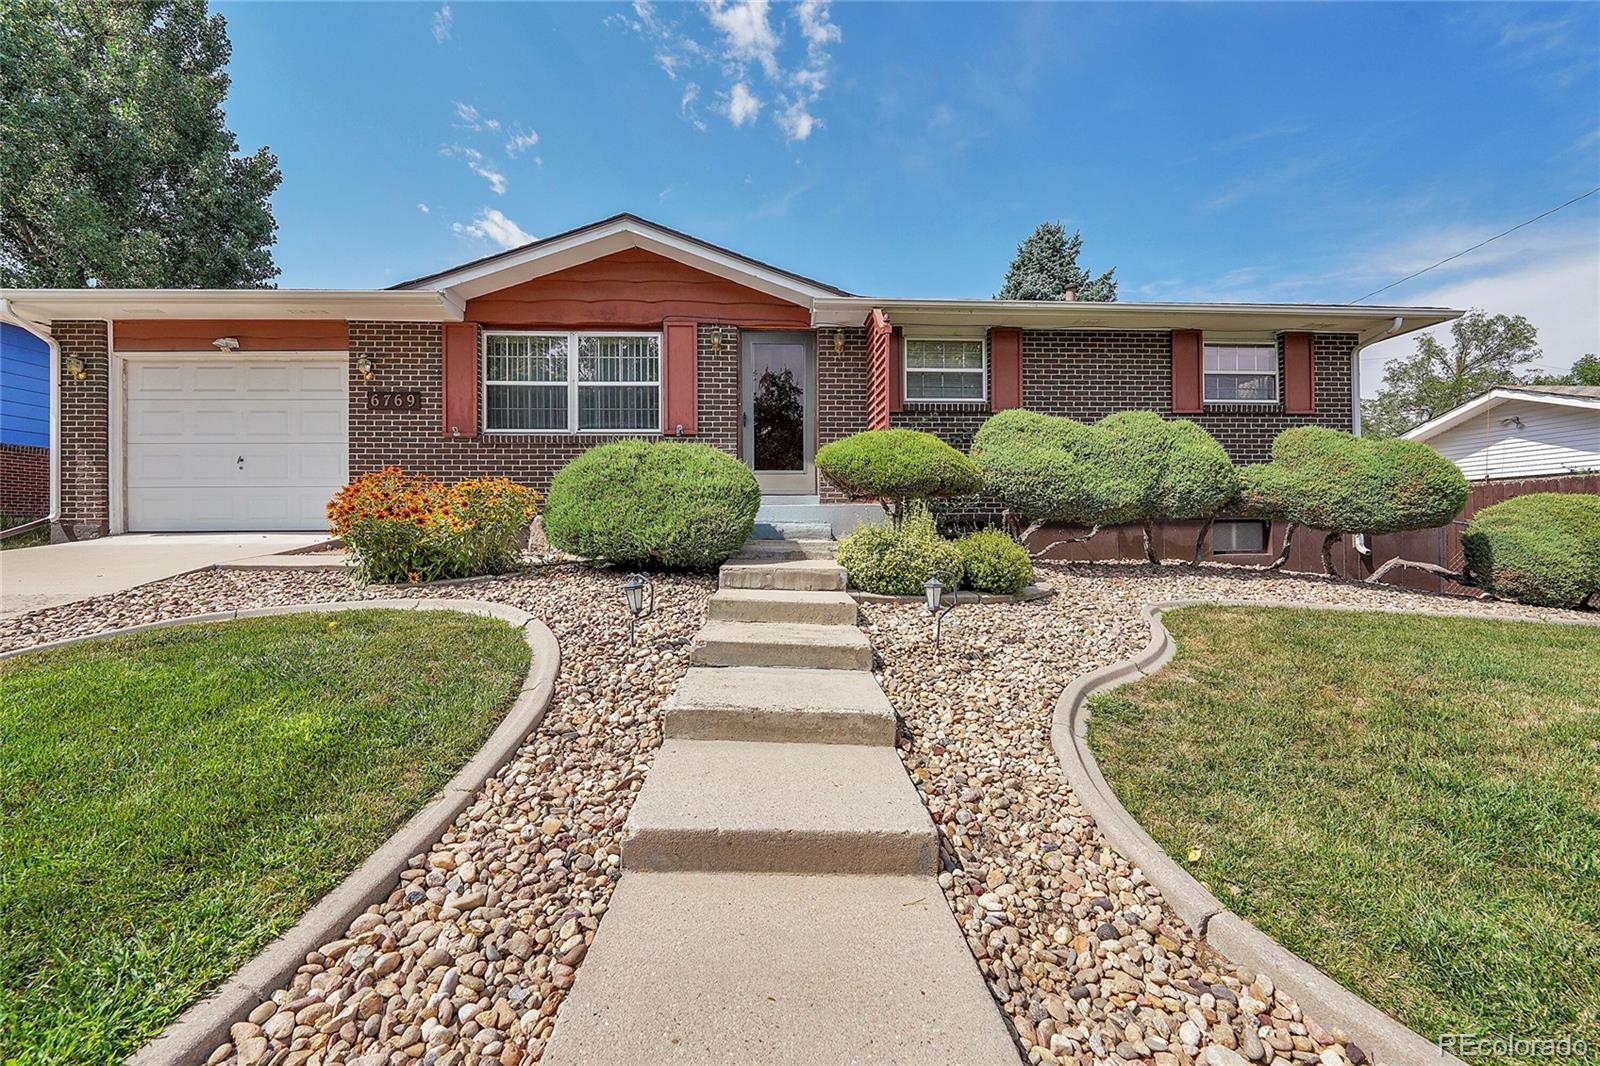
{"x":606,"y":237}
{"x":1581,"y":396}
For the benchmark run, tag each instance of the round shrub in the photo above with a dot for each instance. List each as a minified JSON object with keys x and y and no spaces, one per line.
{"x":666,"y":505}
{"x":992,"y":562}
{"x":1543,"y":548}
{"x":895,"y":560}
{"x":897,"y":465}
{"x":1181,"y":470}
{"x":1050,"y":469}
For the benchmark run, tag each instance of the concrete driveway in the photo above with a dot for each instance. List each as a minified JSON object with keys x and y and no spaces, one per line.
{"x":52,"y":574}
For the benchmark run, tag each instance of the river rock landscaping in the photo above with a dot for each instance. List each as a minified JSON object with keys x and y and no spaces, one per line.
{"x":468,"y":959}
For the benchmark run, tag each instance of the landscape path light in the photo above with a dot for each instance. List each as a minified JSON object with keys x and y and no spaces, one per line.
{"x":934,"y":592}
{"x":639,"y":592}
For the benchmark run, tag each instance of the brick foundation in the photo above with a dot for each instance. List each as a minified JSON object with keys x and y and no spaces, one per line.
{"x":85,"y":432}
{"x":24,"y":481}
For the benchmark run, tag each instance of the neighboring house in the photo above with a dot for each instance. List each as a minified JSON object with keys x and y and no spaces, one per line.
{"x":24,"y":424}
{"x":1520,"y":431}
{"x":247,"y":409}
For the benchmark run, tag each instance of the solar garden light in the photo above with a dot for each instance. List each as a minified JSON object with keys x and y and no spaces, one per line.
{"x":933,"y":590}
{"x":634,"y":592}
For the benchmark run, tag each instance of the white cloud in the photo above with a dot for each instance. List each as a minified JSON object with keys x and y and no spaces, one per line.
{"x":424,"y":208}
{"x":443,"y":19}
{"x":472,"y":120}
{"x":1556,"y":294}
{"x":491,"y":225}
{"x":797,"y":122}
{"x":747,"y":34}
{"x":741,"y":105}
{"x":479,"y":166}
{"x":816,"y":25}
{"x":687,"y":108}
{"x":520,"y":142}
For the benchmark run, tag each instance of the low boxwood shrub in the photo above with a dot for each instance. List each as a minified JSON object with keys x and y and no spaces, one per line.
{"x":667,"y":504}
{"x":406,"y":528}
{"x":895,"y":560}
{"x":1543,"y":548}
{"x":897,"y":466}
{"x":992,"y":561}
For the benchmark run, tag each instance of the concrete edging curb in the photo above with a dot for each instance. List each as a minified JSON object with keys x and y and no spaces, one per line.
{"x":204,"y":1025}
{"x":1334,"y":1006}
{"x":1028,"y":595}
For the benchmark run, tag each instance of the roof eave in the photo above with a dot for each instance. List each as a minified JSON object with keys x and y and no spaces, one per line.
{"x":377,"y":305}
{"x":1493,"y":398}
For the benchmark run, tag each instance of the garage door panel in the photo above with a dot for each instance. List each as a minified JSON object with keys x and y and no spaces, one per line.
{"x":190,"y":424}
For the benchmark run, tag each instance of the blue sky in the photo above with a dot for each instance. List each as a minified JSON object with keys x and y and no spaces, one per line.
{"x":1277,"y":152}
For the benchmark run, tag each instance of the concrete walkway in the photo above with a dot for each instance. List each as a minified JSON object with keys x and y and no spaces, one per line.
{"x":778,"y":901}
{"x":53,"y":574}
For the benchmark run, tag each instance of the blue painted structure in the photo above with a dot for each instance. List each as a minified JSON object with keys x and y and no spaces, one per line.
{"x":24,"y":388}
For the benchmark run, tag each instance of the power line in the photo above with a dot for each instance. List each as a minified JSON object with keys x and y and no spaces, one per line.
{"x":1475,"y":247}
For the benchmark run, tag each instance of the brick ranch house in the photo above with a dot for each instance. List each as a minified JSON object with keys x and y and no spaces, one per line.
{"x":246,"y":409}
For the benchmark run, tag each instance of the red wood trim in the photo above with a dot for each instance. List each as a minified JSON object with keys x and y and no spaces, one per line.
{"x":878,"y":335}
{"x":680,"y":375}
{"x":1005,"y":368}
{"x":897,"y":371}
{"x":1188,"y":395}
{"x":253,"y":335}
{"x":459,"y":369}
{"x":1299,"y":375}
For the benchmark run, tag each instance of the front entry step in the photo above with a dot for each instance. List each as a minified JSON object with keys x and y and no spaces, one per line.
{"x":789,"y":808}
{"x":816,"y":647}
{"x":777,"y":551}
{"x":766,"y":605}
{"x":776,"y":704}
{"x":797,"y":575}
{"x":762,"y":969}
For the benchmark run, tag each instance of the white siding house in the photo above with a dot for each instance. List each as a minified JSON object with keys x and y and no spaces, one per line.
{"x":1521,"y":431}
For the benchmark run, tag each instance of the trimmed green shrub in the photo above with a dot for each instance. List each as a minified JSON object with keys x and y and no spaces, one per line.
{"x":667,"y":504}
{"x":1181,"y":470}
{"x":896,"y":466}
{"x":1543,"y":548}
{"x":1049,"y":469}
{"x":895,"y":560}
{"x":993,"y":562}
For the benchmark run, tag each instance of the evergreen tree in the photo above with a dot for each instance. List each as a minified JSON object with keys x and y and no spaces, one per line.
{"x":1046,"y":266}
{"x":116,"y":164}
{"x":1485,"y":351}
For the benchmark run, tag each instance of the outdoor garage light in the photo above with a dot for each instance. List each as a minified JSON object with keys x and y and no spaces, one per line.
{"x":640,"y":594}
{"x":838,"y":341}
{"x":933,"y":590}
{"x":364,"y":365}
{"x":716,"y":342}
{"x":75,"y":368}
{"x":226,"y":344}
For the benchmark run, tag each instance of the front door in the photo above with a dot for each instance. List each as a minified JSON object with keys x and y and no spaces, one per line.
{"x":778,"y":410}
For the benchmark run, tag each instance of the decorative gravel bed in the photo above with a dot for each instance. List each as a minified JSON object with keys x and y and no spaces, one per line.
{"x":1077,"y":948}
{"x":467,"y":960}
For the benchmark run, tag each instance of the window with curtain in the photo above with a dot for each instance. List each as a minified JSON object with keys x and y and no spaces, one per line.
{"x":944,"y":370}
{"x":540,"y":382}
{"x":1241,"y":373}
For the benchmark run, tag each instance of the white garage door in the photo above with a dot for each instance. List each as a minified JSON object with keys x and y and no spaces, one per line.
{"x":234,"y":444}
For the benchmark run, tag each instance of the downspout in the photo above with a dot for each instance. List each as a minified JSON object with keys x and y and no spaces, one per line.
{"x":1362,"y":545}
{"x":8,"y":313}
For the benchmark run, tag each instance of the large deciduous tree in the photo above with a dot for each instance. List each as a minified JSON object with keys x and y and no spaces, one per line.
{"x":1484,"y":351}
{"x":1046,"y":267}
{"x":1585,"y":371}
{"x":116,"y":164}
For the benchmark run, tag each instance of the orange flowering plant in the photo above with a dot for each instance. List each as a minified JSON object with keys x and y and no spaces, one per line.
{"x":401,"y":527}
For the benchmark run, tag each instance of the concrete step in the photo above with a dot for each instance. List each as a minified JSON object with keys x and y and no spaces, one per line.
{"x":802,"y":575}
{"x":763,"y":969}
{"x":767,"y":605}
{"x":782,"y":531}
{"x":774,"y":704}
{"x":786,"y":808}
{"x":764,"y":551}
{"x":816,"y":647}
{"x":840,"y":518}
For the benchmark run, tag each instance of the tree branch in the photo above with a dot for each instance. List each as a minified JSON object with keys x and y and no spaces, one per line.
{"x":1288,"y":544}
{"x":1460,"y":578}
{"x":1200,"y":540}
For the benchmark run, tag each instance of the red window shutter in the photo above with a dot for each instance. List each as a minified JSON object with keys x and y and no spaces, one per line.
{"x":460,"y":379}
{"x":1005,"y":369}
{"x":897,"y":371}
{"x":1188,"y":396}
{"x":1299,"y":375}
{"x":680,"y":378}
{"x":879,"y":336}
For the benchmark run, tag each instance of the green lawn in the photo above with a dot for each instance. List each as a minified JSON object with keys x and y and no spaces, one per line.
{"x":170,"y":801}
{"x":1412,"y":804}
{"x":31,"y":539}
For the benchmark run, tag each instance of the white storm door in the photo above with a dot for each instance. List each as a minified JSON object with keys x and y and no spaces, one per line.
{"x":234,"y":444}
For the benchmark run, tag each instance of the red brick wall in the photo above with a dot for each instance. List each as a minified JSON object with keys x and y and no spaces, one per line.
{"x":24,"y":481}
{"x":85,"y":432}
{"x":406,"y":356}
{"x":841,"y":392}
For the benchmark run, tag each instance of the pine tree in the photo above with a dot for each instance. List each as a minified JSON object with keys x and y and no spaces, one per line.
{"x":116,"y":163}
{"x":1046,"y":267}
